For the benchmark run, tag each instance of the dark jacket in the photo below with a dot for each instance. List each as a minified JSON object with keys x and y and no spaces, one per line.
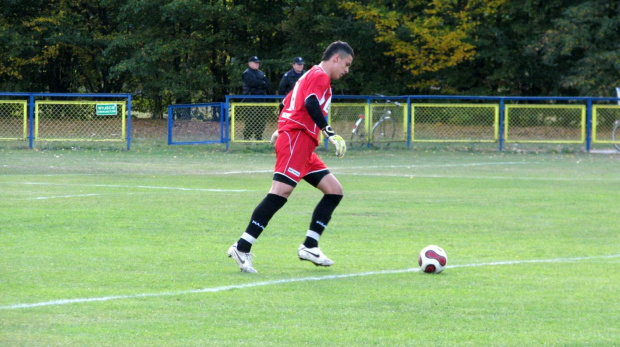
{"x":255,"y":82}
{"x":288,"y":81}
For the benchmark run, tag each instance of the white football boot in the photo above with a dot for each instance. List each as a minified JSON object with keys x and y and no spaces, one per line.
{"x":313,"y":255}
{"x":244,"y":260}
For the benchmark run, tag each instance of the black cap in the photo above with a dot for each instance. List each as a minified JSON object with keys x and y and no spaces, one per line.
{"x":298,"y":60}
{"x":254,"y":59}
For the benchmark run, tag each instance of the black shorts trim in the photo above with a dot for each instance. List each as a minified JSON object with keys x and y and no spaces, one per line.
{"x":282,"y":178}
{"x":314,"y":178}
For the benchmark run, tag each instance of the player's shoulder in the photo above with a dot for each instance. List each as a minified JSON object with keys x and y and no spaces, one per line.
{"x":316,"y":73}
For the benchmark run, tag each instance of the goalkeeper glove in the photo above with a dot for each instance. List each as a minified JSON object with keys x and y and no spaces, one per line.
{"x":336,"y":140}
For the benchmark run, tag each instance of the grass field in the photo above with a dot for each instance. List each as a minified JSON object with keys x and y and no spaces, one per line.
{"x":116,"y":248}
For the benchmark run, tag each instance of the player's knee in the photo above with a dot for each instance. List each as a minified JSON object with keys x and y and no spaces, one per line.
{"x":335,"y":190}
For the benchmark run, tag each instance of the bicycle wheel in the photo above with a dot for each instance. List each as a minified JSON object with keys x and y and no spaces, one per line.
{"x":615,"y":134}
{"x":358,"y":134}
{"x":384,"y":130}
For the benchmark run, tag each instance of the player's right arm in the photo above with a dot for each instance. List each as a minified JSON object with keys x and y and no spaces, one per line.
{"x":314,"y":110}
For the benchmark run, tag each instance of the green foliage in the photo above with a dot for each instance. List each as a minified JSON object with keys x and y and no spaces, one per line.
{"x":425,"y":37}
{"x":584,"y":41}
{"x":195,"y":50}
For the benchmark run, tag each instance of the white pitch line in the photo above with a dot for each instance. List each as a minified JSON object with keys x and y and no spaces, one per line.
{"x":414,"y":166}
{"x":289,"y":280}
{"x":259,"y":171}
{"x":61,"y":196}
{"x":140,"y":187}
{"x":383,"y":167}
{"x":520,"y":178}
{"x":241,"y":172}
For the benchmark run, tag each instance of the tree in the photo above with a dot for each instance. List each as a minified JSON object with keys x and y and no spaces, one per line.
{"x":425,"y":37}
{"x":309,"y":27}
{"x":180,"y":54}
{"x":57,"y":45}
{"x":502,"y":64}
{"x":185,"y":51}
{"x":583,"y":44}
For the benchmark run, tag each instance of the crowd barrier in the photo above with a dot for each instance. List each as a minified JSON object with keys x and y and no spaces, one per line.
{"x":361,"y":120}
{"x":65,"y":117}
{"x":373,"y":120}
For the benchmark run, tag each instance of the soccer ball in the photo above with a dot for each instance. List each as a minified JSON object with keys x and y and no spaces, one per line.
{"x":432,"y":259}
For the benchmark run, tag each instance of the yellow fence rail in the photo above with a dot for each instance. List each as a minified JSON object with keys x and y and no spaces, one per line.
{"x":370,"y":121}
{"x":80,"y":120}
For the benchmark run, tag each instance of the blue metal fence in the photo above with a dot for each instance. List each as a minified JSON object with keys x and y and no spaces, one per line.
{"x":543,"y":114}
{"x":197,"y":124}
{"x":33,"y":98}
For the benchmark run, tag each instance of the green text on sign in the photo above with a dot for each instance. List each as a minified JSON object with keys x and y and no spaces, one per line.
{"x":107,"y":110}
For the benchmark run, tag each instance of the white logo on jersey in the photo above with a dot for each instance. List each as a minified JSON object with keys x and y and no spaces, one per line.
{"x":328,"y":102}
{"x":293,"y":171}
{"x":291,"y":107}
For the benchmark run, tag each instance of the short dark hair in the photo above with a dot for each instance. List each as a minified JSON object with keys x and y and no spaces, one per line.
{"x":338,"y":47}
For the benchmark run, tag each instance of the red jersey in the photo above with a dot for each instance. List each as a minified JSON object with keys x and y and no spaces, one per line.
{"x":294,"y":115}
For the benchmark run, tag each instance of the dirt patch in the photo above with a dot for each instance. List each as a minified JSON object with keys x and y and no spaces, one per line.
{"x":149,"y":128}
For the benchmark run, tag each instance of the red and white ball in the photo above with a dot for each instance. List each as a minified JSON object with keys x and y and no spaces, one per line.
{"x":433,"y":259}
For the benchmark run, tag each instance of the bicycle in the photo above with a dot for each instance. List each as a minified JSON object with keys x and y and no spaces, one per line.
{"x":382,"y":131}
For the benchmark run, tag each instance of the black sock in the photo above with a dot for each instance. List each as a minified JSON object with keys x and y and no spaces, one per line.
{"x":260,"y":218}
{"x":320,"y":217}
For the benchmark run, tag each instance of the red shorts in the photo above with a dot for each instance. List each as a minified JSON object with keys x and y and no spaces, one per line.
{"x":295,"y":158}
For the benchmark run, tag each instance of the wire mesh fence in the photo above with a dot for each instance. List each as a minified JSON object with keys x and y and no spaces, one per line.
{"x":388,"y":122}
{"x":418,"y":119}
{"x":604,"y":122}
{"x":80,"y":120}
{"x":13,"y":119}
{"x":364,"y":123}
{"x":351,"y":120}
{"x":545,"y":123}
{"x":455,"y":122}
{"x":253,"y":122}
{"x":196,"y":124}
{"x":361,"y":120}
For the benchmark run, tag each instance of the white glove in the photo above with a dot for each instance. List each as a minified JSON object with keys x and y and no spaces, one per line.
{"x":336,"y":140}
{"x":274,"y":137}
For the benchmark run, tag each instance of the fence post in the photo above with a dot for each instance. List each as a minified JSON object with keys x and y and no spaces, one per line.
{"x":589,"y":124}
{"x":31,"y":121}
{"x":169,"y":125}
{"x":368,"y":121}
{"x":224,"y":123}
{"x":501,"y":124}
{"x":128,"y":122}
{"x":225,"y":110}
{"x":409,"y":123}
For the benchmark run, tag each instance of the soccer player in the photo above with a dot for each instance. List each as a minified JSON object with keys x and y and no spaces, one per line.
{"x":302,"y":117}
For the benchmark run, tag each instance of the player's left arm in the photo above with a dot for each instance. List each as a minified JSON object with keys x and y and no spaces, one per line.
{"x":314,"y":109}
